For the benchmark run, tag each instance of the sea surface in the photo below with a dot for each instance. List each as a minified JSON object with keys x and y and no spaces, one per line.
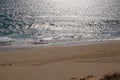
{"x":56,"y":22}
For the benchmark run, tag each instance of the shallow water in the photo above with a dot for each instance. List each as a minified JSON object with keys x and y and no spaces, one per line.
{"x":55,"y":22}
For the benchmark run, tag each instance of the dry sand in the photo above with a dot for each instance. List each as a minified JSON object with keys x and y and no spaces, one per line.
{"x":59,"y":63}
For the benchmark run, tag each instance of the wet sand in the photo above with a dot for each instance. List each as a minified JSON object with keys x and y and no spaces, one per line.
{"x":60,"y":63}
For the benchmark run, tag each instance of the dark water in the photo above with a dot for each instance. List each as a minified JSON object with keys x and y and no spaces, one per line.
{"x":55,"y":21}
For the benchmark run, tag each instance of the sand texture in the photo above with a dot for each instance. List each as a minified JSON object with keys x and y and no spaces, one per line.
{"x":59,"y":63}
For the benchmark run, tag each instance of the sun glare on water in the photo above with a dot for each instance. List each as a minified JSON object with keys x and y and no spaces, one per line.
{"x":73,"y":6}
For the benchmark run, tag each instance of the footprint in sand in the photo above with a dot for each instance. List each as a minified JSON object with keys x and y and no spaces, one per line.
{"x":89,"y":77}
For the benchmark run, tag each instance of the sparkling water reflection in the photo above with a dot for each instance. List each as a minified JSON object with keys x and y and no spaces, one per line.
{"x":29,"y":21}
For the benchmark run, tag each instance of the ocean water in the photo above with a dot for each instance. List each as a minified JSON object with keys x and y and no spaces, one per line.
{"x":55,"y":22}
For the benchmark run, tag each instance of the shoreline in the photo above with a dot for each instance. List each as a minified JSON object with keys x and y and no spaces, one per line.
{"x":55,"y":45}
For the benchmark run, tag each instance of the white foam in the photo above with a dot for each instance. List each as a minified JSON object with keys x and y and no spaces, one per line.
{"x":45,"y":27}
{"x":48,"y":38}
{"x":6,"y":39}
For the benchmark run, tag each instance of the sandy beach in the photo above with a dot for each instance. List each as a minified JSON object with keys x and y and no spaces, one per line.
{"x":60,"y":62}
